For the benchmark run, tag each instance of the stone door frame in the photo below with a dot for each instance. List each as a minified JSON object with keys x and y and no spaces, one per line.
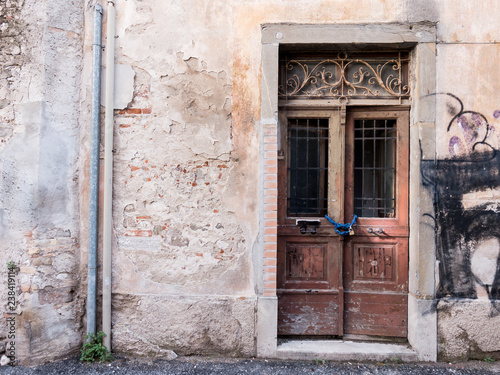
{"x":420,"y":39}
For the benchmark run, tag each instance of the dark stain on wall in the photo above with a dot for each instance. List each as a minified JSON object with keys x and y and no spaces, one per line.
{"x":473,"y":166}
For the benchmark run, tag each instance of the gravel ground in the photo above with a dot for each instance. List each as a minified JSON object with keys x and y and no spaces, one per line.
{"x":205,"y":365}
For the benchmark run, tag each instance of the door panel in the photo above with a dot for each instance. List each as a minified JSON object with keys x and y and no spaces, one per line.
{"x":310,"y":285}
{"x":376,"y":264}
{"x":375,"y":314}
{"x":376,"y":286}
{"x":310,"y":314}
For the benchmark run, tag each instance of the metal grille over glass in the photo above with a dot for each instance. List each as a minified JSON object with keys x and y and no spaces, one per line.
{"x":307,"y":167}
{"x":374,"y":168}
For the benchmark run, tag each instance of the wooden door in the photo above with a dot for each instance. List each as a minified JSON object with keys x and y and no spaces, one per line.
{"x":328,"y":284}
{"x":375,"y":259}
{"x":310,"y":185}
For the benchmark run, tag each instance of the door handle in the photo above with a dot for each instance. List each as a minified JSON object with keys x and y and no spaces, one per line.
{"x":378,"y":231}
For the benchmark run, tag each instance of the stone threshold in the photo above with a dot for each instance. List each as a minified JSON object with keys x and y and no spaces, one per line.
{"x":343,"y":350}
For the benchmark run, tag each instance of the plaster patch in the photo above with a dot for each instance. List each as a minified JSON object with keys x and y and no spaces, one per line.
{"x":484,"y":260}
{"x":480,"y":197}
{"x":123,"y":88}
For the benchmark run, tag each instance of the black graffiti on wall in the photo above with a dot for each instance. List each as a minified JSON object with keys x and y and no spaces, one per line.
{"x":466,"y":215}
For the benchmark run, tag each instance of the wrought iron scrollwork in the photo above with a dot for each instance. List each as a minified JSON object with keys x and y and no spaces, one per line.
{"x":344,"y":77}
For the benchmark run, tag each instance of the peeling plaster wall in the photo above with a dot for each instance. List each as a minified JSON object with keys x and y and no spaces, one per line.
{"x":185,"y":190}
{"x":40,"y":58}
{"x":186,"y":172}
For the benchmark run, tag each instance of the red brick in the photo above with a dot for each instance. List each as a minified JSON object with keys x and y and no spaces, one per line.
{"x":270,"y":223}
{"x":138,"y":233}
{"x":271,"y":192}
{"x":130,"y":111}
{"x":272,"y":230}
{"x":270,"y":214}
{"x":270,"y":207}
{"x":270,"y":262}
{"x":270,"y":250}
{"x":270,"y":139}
{"x":271,"y":131}
{"x":270,"y":285}
{"x":270,"y":254}
{"x":271,"y":177}
{"x":270,"y":169}
{"x":270,"y":199}
{"x":269,"y":293}
{"x":270,"y":238}
{"x":270,"y":270}
{"x":270,"y":185}
{"x":271,"y":162}
{"x":269,"y":277}
{"x":271,"y":147}
{"x":271,"y":155}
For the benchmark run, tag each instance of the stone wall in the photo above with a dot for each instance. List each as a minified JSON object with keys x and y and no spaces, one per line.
{"x":40,"y":60}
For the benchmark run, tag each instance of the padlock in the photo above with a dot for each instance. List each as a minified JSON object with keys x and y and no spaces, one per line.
{"x":351,"y":231}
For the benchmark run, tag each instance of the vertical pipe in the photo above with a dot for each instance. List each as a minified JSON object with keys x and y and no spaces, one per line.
{"x":108,"y":174}
{"x":94,"y":169}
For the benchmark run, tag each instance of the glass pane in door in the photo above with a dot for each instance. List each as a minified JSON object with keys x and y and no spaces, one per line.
{"x":375,"y":168}
{"x":307,"y":167}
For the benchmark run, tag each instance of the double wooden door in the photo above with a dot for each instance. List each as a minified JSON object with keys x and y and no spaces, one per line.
{"x":341,"y":165}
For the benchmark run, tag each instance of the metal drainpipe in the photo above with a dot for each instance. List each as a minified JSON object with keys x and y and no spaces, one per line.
{"x":108,"y":174}
{"x":94,"y":169}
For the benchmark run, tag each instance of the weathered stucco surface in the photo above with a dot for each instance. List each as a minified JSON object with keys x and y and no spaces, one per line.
{"x":466,"y":143}
{"x":467,"y":330}
{"x":40,"y":61}
{"x":187,"y":169}
{"x":185,"y":218}
{"x":191,"y":325}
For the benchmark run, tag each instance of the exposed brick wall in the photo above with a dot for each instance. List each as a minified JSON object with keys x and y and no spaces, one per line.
{"x":270,"y":208}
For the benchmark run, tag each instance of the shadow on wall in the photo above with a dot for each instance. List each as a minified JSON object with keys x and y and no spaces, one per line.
{"x":466,"y":189}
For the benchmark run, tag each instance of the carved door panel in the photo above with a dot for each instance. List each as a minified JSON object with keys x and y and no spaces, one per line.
{"x":330,"y":284}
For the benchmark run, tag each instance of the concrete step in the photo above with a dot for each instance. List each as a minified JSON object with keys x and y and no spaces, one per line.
{"x":340,"y":350}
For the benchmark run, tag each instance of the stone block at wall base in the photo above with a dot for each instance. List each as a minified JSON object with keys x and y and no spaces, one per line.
{"x":468,"y":329}
{"x":422,"y":327}
{"x":155,"y":326}
{"x":267,"y":326}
